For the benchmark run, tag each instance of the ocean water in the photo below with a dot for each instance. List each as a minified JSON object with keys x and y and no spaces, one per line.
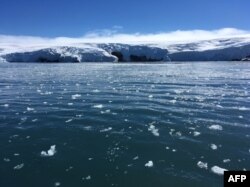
{"x":136,"y":125}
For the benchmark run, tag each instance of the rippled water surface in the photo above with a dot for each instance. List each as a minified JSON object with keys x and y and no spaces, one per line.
{"x":137,"y":125}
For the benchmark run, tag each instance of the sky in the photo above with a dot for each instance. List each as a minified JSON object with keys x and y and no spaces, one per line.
{"x":78,"y":18}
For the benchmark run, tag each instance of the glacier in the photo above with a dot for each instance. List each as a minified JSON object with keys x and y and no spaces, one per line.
{"x":229,"y":49}
{"x":88,"y":53}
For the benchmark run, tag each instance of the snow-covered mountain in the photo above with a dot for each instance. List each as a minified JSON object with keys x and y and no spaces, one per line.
{"x":206,"y":50}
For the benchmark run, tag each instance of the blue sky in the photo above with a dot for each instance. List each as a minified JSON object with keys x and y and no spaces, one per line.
{"x":74,"y":18}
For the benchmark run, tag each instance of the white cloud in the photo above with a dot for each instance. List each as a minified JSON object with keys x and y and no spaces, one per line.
{"x":115,"y":36}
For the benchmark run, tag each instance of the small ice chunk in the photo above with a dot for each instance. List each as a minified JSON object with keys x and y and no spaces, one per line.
{"x":196,"y":133}
{"x":150,"y":96}
{"x":98,"y":106}
{"x":6,"y":160}
{"x":6,"y":105}
{"x":20,"y":166}
{"x":57,"y":184}
{"x":214,"y":147}
{"x":68,"y":121}
{"x":76,"y":96}
{"x":202,"y":165}
{"x":173,"y":101}
{"x":216,"y":127}
{"x":136,"y":158}
{"x":226,"y":160}
{"x":86,"y":178}
{"x":50,"y":152}
{"x":218,"y":170}
{"x":149,"y":164}
{"x":243,"y":108}
{"x":154,"y":130}
{"x":70,"y":104}
{"x":30,"y":109}
{"x":106,"y":130}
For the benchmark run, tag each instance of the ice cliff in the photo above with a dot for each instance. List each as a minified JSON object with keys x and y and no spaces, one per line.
{"x":89,"y":53}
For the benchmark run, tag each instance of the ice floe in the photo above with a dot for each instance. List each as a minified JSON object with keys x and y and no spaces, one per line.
{"x":218,"y":170}
{"x":202,"y":165}
{"x":216,"y":127}
{"x":50,"y":152}
{"x":149,"y":164}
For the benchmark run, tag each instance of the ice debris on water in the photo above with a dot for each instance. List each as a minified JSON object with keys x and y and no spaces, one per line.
{"x":196,"y":133}
{"x":214,"y":147}
{"x":149,"y":164}
{"x":76,"y":96}
{"x":20,"y":166}
{"x":86,"y":178}
{"x":57,"y":184}
{"x":202,"y":165}
{"x":216,"y":127}
{"x":98,"y":106}
{"x":154,"y":130}
{"x":218,"y":170}
{"x":50,"y":152}
{"x":226,"y":160}
{"x":30,"y":109}
{"x":106,"y":130}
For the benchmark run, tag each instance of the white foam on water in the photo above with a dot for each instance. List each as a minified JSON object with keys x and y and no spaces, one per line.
{"x":20,"y":166}
{"x":70,"y":104}
{"x":6,"y":105}
{"x":202,"y":165}
{"x":153,"y":130}
{"x":76,"y":96}
{"x":106,"y":130}
{"x":218,"y":170}
{"x":50,"y":152}
{"x":214,"y":147}
{"x":150,"y":96}
{"x":98,"y":106}
{"x":216,"y":127}
{"x":149,"y":164}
